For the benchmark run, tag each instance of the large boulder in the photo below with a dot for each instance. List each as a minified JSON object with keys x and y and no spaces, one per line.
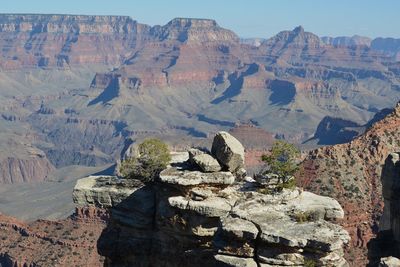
{"x":207,"y":163}
{"x":228,"y":151}
{"x":193,"y":152}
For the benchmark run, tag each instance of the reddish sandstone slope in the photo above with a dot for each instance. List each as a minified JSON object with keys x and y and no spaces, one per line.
{"x":351,"y":174}
{"x":70,"y":242}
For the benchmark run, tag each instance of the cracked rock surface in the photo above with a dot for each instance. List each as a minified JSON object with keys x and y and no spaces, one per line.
{"x":193,"y":218}
{"x":200,"y":220}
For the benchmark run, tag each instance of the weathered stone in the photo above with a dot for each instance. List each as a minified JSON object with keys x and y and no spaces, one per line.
{"x":239,"y":228}
{"x":278,"y":227}
{"x":228,"y":151}
{"x":206,"y":213}
{"x":207,"y":163}
{"x":241,"y":173}
{"x":200,"y":194}
{"x":103,"y":191}
{"x":192,"y":152}
{"x":211,"y":207}
{"x":179,"y":157}
{"x":389,"y":262}
{"x":227,"y":261}
{"x":333,"y":259}
{"x":190,"y":178}
{"x":324,"y":207}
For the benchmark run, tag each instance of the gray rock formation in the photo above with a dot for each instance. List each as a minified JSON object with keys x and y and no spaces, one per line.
{"x":194,"y":152}
{"x":207,"y":163}
{"x":228,"y":151}
{"x":194,"y":218}
{"x":389,"y":262}
{"x":103,"y":191}
{"x":188,"y":177}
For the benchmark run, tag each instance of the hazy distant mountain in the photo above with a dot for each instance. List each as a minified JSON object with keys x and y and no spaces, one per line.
{"x":355,"y":40}
{"x":78,"y":89}
{"x":389,"y":45}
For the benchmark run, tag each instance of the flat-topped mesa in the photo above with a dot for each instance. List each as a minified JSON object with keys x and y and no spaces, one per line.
{"x":192,"y":30}
{"x":56,"y":23}
{"x":192,"y":22}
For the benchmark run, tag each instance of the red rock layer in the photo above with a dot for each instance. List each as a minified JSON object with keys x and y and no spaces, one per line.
{"x":351,"y":173}
{"x":70,"y":242}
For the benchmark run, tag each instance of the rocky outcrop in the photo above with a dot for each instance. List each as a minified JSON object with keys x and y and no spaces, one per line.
{"x":207,"y":163}
{"x":175,"y":222}
{"x":69,"y":242}
{"x":390,"y":187}
{"x":102,"y":192}
{"x":194,"y":218}
{"x":387,"y":243}
{"x":351,"y":173}
{"x":64,"y":40}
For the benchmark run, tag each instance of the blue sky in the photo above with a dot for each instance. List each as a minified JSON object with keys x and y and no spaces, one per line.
{"x":248,"y":18}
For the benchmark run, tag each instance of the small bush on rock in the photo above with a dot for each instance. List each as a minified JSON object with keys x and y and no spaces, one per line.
{"x":151,"y":158}
{"x":310,"y":263}
{"x":282,"y":160}
{"x":281,"y":164}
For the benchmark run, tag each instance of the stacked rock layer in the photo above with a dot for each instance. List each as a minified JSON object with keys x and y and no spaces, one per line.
{"x":193,"y":217}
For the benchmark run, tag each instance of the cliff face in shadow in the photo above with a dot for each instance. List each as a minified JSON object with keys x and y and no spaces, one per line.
{"x":387,"y":242}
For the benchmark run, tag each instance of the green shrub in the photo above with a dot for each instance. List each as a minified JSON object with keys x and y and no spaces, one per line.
{"x":152,"y":157}
{"x":305,"y":216}
{"x":310,"y":263}
{"x":289,"y":184}
{"x":282,"y":160}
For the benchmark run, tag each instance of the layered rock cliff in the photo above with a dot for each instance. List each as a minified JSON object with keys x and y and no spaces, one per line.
{"x":351,"y":174}
{"x":73,"y":82}
{"x":387,"y":243}
{"x":190,"y":217}
{"x":63,"y":40}
{"x":70,"y":242}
